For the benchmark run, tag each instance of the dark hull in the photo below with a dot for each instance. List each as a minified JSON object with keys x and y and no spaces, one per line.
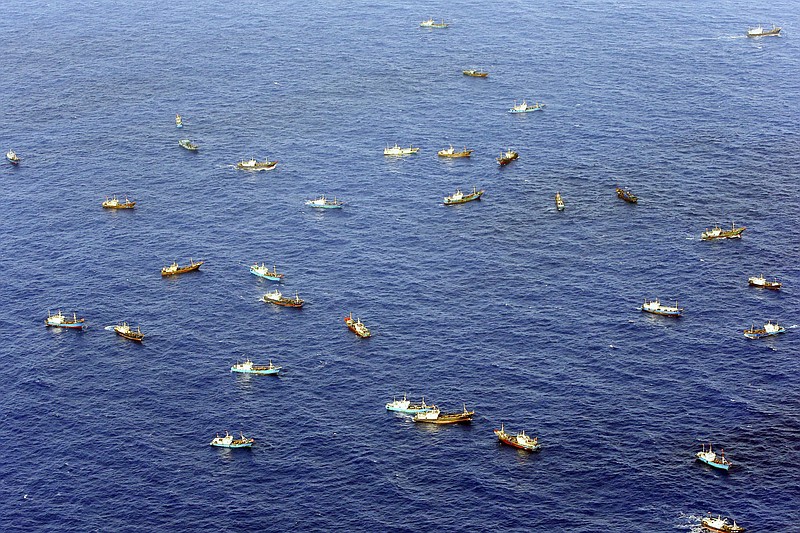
{"x":287,"y":302}
{"x":502,"y":161}
{"x":443,"y":421}
{"x":183,"y":270}
{"x":138,"y":337}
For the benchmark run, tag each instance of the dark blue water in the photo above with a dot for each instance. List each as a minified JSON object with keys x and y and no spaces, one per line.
{"x":526,"y":315}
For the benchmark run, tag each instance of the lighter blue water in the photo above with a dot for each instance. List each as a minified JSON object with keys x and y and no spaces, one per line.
{"x":526,"y":315}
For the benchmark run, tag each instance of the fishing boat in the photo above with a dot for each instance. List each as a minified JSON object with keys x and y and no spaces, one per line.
{"x":451,"y":152}
{"x":712,"y":459}
{"x":124,"y":330}
{"x":174,"y":269}
{"x":507,"y":157}
{"x":178,"y":121}
{"x":720,"y":525}
{"x":764,"y":283}
{"x":275,"y":297}
{"x":397,"y":151}
{"x":114,"y":203}
{"x":12,"y":156}
{"x":475,"y":73}
{"x":759,"y":31}
{"x":189,"y":145}
{"x":324,"y":203}
{"x":525,"y":108}
{"x":406,"y":407}
{"x":768,"y":330}
{"x":249,"y":368}
{"x":357,"y":327}
{"x":264,"y":272}
{"x":253,"y":165}
{"x":559,"y":202}
{"x":460,"y":198}
{"x":719,"y":233}
{"x":229,"y":442}
{"x":435,"y":416}
{"x":655,"y":307}
{"x":430,"y":23}
{"x":627,"y":195}
{"x":58,"y":320}
{"x":520,"y":440}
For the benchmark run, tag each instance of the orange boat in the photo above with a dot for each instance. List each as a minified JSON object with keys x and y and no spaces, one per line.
{"x":357,"y":327}
{"x":174,"y":269}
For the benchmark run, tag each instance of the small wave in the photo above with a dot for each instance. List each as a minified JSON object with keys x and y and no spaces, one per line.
{"x":793,"y":327}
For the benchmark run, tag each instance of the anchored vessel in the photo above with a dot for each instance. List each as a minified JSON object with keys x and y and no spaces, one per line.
{"x":525,"y":108}
{"x":768,"y":330}
{"x":712,"y":459}
{"x":451,"y":152}
{"x":719,"y":233}
{"x":357,"y":327}
{"x":406,"y":407}
{"x":264,"y":272}
{"x":275,"y":297}
{"x":460,"y":198}
{"x":430,"y":23}
{"x":720,"y":525}
{"x":174,"y":269}
{"x":252,"y":164}
{"x":396,"y":150}
{"x":124,"y":330}
{"x":324,"y":203}
{"x":559,"y":202}
{"x":759,"y":31}
{"x":12,"y":156}
{"x":229,"y":442}
{"x":435,"y":416}
{"x":189,"y":145}
{"x":507,"y":157}
{"x":60,"y":321}
{"x":114,"y":203}
{"x":249,"y":368}
{"x":475,"y":73}
{"x":178,"y":121}
{"x":627,"y":195}
{"x":655,"y":307}
{"x":762,"y":282}
{"x":520,"y":440}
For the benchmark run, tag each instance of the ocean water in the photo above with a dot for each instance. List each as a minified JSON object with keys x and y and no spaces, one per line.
{"x":526,"y":315}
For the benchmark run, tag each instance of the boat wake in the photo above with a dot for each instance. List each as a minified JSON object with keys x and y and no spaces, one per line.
{"x":793,"y":327}
{"x":109,"y":328}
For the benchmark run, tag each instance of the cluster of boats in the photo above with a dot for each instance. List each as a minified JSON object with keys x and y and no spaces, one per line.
{"x":430,"y":414}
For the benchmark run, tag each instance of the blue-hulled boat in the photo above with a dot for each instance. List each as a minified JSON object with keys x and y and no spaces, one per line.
{"x":406,"y":407}
{"x":712,"y":459}
{"x":324,"y":203}
{"x":525,"y":108}
{"x":58,"y":320}
{"x":264,"y":272}
{"x":768,"y":330}
{"x":249,"y":368}
{"x":229,"y":442}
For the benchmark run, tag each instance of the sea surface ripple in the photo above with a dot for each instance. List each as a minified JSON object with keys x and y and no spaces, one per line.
{"x":526,"y":315}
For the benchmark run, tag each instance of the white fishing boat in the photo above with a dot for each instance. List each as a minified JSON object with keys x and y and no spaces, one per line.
{"x":396,"y":150}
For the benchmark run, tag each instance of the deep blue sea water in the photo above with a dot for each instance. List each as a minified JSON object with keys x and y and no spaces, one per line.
{"x":526,"y":315}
